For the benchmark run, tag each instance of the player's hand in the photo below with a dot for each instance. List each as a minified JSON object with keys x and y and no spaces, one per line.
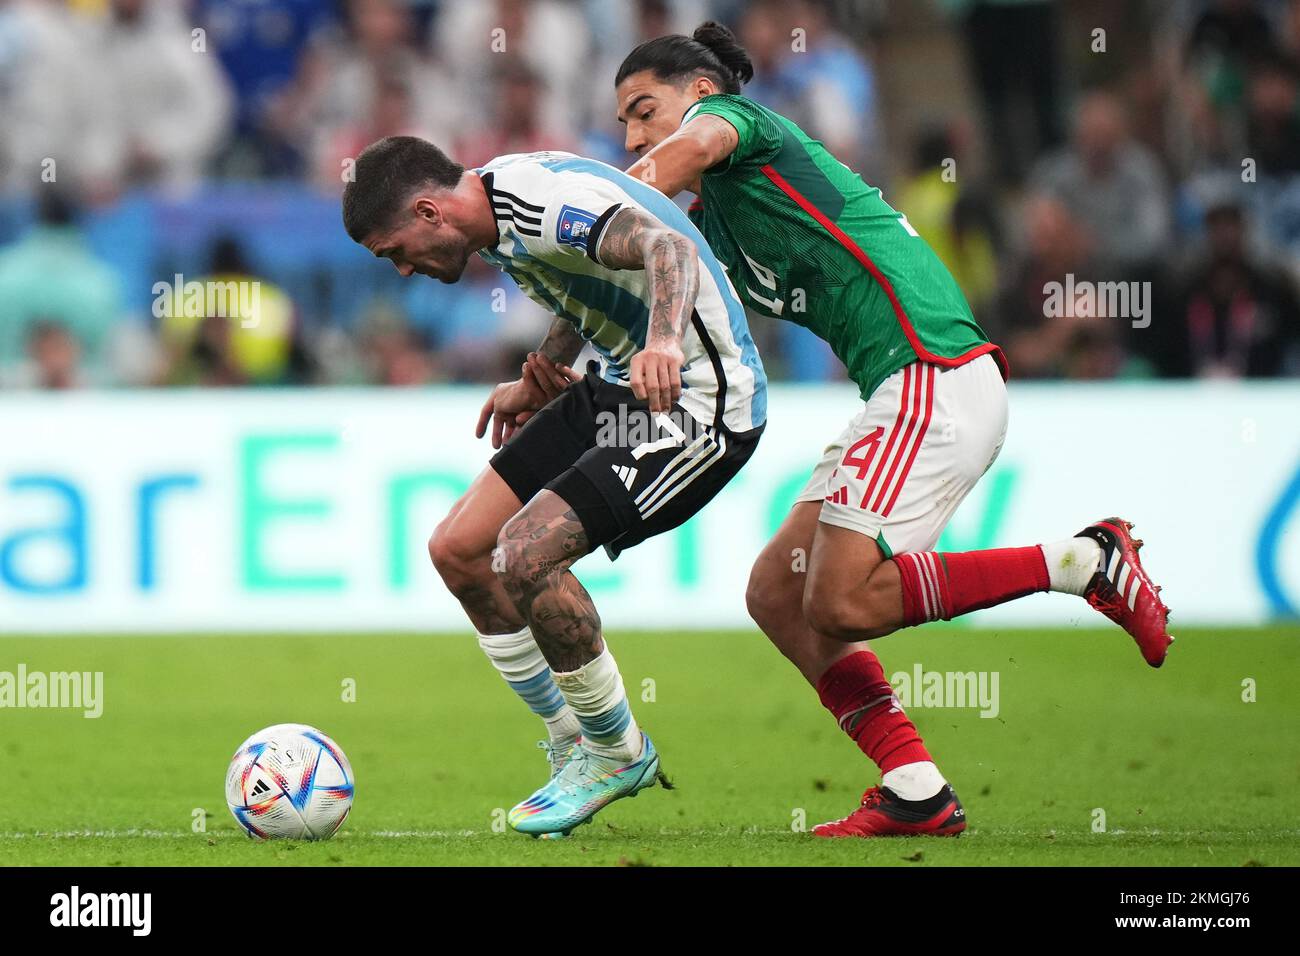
{"x":656,"y":376}
{"x":551,"y":377}
{"x":508,"y":407}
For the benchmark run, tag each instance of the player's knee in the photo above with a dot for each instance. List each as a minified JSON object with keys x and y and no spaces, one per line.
{"x":439,"y":551}
{"x":772,"y":595}
{"x":453,"y":555}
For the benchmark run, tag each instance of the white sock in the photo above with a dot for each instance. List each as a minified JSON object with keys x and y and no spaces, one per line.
{"x":519,"y":660}
{"x":914,"y":781}
{"x":563,"y":727}
{"x":595,"y":692}
{"x":1071,"y":564}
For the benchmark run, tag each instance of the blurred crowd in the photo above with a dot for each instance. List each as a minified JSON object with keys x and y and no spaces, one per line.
{"x":1172,"y":173}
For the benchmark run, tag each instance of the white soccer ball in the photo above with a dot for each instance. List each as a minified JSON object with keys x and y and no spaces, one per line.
{"x":289,"y":781}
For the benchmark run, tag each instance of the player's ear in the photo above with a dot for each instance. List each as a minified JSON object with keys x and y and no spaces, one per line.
{"x":702,"y":87}
{"x":428,"y":210}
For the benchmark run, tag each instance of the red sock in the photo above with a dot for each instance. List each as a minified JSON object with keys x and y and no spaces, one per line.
{"x":941,"y":586}
{"x":854,"y":689}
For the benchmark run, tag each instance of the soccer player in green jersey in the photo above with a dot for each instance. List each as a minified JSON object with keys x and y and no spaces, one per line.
{"x":805,"y":239}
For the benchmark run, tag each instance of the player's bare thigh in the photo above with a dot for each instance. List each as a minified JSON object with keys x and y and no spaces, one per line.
{"x":849,"y":593}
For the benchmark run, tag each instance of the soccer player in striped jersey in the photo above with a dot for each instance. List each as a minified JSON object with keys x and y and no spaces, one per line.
{"x":633,"y":448}
{"x":806,"y":240}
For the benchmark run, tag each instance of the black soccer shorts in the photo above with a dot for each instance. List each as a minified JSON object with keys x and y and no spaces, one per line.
{"x":627,"y":474}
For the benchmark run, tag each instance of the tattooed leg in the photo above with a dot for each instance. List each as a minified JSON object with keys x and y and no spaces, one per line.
{"x":535,"y":551}
{"x":488,"y":608}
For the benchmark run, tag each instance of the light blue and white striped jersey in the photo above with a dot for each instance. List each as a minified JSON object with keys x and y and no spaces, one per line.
{"x":551,"y":211}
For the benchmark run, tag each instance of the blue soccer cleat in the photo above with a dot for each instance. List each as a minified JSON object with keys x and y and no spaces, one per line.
{"x":557,"y":757}
{"x":585,"y":783}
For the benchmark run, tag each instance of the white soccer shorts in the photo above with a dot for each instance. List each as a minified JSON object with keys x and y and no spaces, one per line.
{"x":906,"y":461}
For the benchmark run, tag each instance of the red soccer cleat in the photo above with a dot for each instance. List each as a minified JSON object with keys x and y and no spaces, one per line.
{"x":1122,"y":591}
{"x":884,"y":813}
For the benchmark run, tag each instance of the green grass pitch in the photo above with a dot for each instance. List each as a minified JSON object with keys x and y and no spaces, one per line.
{"x":1185,"y":770}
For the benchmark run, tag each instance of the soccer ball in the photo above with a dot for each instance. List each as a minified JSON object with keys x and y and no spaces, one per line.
{"x":289,"y":781}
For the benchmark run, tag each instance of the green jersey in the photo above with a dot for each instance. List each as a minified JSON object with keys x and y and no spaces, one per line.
{"x":805,"y":239}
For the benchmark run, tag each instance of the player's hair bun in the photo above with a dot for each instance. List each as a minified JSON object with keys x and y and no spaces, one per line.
{"x":726,"y":48}
{"x":712,"y":52}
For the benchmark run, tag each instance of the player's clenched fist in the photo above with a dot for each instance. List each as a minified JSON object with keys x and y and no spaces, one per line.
{"x":656,"y":375}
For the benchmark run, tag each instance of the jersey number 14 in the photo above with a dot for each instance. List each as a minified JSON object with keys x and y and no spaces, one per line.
{"x":767,"y":278}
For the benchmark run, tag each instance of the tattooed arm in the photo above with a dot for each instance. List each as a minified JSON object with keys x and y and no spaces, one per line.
{"x":678,"y":162}
{"x":550,"y":366}
{"x":562,"y":343}
{"x":634,"y":239}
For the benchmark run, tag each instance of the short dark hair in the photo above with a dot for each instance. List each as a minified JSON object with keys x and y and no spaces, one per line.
{"x":386,"y":173}
{"x":711,"y":51}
